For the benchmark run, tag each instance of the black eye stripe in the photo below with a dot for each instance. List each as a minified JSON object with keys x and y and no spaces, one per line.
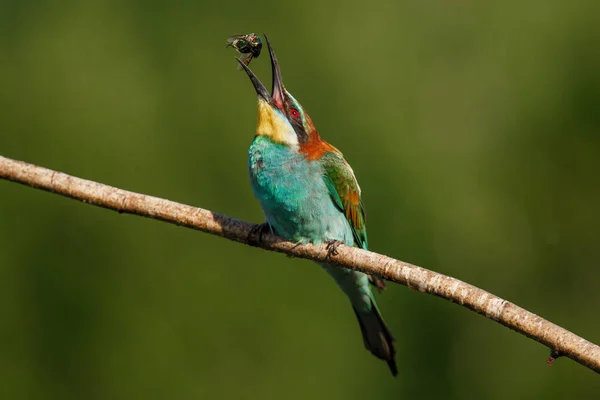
{"x":300,"y":133}
{"x":296,"y":122}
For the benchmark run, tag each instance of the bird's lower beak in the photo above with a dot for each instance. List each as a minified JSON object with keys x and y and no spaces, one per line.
{"x":258,"y":86}
{"x":275,"y":99}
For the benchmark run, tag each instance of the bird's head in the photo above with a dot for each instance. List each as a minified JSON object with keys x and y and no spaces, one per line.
{"x":280,"y":117}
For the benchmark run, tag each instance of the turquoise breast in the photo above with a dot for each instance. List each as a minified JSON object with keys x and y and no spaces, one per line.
{"x":293,"y":194}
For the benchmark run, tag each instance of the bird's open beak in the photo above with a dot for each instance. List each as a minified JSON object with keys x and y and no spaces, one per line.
{"x":277,"y":97}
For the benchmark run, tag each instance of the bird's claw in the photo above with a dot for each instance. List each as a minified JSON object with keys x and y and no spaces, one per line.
{"x":332,"y":246}
{"x":377,"y":282}
{"x":294,"y":248}
{"x":256,"y":233}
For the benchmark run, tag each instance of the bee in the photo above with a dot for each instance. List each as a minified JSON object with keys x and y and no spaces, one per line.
{"x":249,"y":46}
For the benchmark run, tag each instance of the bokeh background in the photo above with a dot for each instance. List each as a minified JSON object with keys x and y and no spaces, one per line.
{"x":473,"y":129}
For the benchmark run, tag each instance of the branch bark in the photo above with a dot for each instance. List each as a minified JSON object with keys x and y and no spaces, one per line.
{"x":560,"y":341}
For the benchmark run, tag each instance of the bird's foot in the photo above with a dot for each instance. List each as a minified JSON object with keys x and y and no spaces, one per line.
{"x":254,"y":238}
{"x":300,"y":243}
{"x":377,"y":282}
{"x":332,"y":246}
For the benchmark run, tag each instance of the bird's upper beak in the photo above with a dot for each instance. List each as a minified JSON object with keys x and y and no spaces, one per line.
{"x":277,"y":97}
{"x":278,"y":89}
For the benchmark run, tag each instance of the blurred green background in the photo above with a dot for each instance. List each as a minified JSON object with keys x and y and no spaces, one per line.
{"x":473,"y":129}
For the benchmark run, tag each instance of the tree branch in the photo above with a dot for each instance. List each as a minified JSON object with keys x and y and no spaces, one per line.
{"x":560,"y":341}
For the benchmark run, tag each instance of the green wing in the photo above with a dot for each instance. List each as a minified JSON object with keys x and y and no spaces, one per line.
{"x":345,"y":193}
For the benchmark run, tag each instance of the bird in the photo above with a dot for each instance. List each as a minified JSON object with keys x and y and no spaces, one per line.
{"x":309,"y":194}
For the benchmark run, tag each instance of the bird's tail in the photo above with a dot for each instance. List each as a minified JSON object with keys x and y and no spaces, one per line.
{"x":377,"y":337}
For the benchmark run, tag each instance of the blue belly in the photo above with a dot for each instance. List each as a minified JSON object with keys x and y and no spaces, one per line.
{"x":293,"y":195}
{"x":297,"y":205}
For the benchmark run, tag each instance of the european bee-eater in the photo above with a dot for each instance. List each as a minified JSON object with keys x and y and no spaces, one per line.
{"x":309,"y":194}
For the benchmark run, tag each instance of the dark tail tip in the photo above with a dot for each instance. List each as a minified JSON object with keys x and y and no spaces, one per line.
{"x":393,"y":368}
{"x":377,"y":337}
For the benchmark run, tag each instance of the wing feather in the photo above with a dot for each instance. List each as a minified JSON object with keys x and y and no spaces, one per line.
{"x":345,"y":194}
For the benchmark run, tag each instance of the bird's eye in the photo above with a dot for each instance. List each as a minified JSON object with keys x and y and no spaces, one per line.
{"x":294,"y":113}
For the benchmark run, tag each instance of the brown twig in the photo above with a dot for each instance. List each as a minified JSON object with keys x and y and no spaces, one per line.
{"x":560,"y":341}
